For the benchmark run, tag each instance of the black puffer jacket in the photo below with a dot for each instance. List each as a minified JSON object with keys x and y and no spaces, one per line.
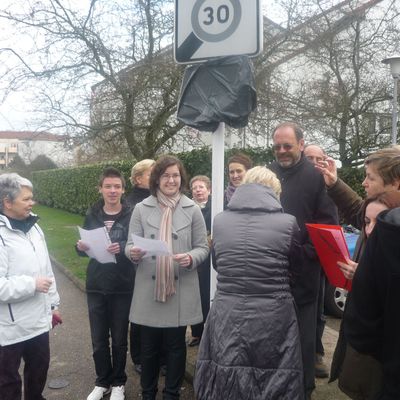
{"x":110,"y":278}
{"x":136,"y":196}
{"x":250,"y":348}
{"x":372,"y":318}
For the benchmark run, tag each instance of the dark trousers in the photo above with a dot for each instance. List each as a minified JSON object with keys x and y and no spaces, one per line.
{"x":307,"y":317}
{"x":153,"y":341}
{"x":108,"y":316}
{"x":135,"y":346}
{"x":134,"y":341}
{"x":204,"y":273}
{"x":321,"y":320}
{"x":36,"y":354}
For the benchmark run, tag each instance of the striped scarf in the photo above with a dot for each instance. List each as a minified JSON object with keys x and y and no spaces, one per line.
{"x":165,"y":276}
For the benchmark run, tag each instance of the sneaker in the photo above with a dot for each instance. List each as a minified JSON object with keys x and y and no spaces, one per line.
{"x":98,"y":392}
{"x":321,"y":369}
{"x":117,"y":393}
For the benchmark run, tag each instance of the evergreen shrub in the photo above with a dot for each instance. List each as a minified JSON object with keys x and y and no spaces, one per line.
{"x":74,"y":189}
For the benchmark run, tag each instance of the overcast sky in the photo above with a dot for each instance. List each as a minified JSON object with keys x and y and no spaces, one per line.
{"x":16,"y":112}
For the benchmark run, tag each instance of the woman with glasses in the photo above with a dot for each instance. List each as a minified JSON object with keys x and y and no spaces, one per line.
{"x":166,"y":296}
{"x":238,"y":164}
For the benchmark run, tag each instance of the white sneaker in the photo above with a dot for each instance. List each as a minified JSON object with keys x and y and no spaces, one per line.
{"x":98,"y":392}
{"x":117,"y":393}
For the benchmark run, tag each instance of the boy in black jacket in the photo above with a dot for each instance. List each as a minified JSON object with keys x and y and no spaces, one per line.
{"x":109,"y":288}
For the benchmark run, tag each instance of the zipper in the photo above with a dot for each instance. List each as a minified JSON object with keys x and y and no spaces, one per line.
{"x":11,"y":313}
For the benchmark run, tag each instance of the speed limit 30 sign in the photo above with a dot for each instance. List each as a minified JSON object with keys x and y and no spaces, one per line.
{"x":213,"y":28}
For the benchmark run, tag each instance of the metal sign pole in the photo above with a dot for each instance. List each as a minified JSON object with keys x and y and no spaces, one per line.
{"x":394,"y":112}
{"x":218,"y":155}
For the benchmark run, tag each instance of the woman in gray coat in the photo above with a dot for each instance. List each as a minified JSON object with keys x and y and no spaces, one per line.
{"x":166,"y":297}
{"x":250,"y":347}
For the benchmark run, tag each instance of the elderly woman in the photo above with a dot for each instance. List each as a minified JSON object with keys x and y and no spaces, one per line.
{"x":28,"y":295}
{"x":250,"y":347}
{"x":238,"y":164}
{"x":200,"y":186}
{"x":166,"y":296}
{"x":140,"y":180}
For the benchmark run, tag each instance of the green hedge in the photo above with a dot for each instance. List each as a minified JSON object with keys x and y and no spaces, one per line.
{"x":353,"y":177}
{"x":198,"y":162}
{"x":75,"y":189}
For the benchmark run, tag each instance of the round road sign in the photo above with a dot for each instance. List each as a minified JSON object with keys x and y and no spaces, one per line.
{"x":223,"y":18}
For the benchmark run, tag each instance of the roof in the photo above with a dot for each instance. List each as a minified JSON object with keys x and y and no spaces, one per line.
{"x":31,"y":135}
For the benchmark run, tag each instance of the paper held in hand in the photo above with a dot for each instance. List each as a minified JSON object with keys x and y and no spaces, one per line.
{"x":331,"y":247}
{"x":98,"y":242}
{"x":152,"y":247}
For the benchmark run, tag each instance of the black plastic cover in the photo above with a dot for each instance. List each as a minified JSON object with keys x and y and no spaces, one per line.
{"x":219,"y":90}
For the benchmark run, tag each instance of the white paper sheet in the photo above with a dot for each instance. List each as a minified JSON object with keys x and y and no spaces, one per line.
{"x":98,"y":241}
{"x":152,"y":247}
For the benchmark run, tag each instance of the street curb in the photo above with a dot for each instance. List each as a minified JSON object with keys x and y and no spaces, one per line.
{"x":76,"y":281}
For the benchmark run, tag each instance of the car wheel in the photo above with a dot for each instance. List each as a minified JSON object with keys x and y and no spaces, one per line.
{"x":335,"y":300}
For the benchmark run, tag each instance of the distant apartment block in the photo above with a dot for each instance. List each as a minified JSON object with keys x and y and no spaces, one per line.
{"x":28,"y":145}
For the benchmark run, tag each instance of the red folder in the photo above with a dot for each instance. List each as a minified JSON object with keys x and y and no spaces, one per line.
{"x":331,"y":247}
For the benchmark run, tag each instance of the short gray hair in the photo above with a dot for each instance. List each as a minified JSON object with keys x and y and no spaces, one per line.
{"x":10,"y":187}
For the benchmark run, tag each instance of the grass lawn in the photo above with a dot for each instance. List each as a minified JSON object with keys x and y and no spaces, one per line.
{"x":60,"y":229}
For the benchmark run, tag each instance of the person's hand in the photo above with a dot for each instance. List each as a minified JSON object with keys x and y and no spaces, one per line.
{"x":56,"y":318}
{"x":81,"y":246}
{"x":114,"y":248}
{"x":136,"y":254}
{"x":348,"y":268}
{"x":43,"y":284}
{"x":328,"y":169}
{"x":184,"y":259}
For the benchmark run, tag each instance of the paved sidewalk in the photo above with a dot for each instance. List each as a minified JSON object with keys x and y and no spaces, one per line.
{"x":71,"y":352}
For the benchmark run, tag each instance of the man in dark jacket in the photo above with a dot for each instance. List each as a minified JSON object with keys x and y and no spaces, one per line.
{"x":372,"y":322}
{"x":304,"y":196}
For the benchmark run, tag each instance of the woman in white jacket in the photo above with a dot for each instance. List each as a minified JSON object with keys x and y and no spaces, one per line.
{"x":28,"y":295}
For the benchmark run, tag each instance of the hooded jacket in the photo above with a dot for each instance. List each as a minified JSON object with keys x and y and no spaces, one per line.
{"x":250,"y":348}
{"x":24,"y":312}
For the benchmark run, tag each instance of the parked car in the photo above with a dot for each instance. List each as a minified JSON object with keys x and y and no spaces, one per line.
{"x":335,"y":297}
{"x":335,"y":300}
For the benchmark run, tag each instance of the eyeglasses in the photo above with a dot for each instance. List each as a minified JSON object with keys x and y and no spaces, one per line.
{"x":285,"y":146}
{"x":167,"y":177}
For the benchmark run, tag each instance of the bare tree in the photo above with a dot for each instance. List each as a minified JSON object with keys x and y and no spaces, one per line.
{"x":335,"y":87}
{"x":120,"y":45}
{"x":105,"y":72}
